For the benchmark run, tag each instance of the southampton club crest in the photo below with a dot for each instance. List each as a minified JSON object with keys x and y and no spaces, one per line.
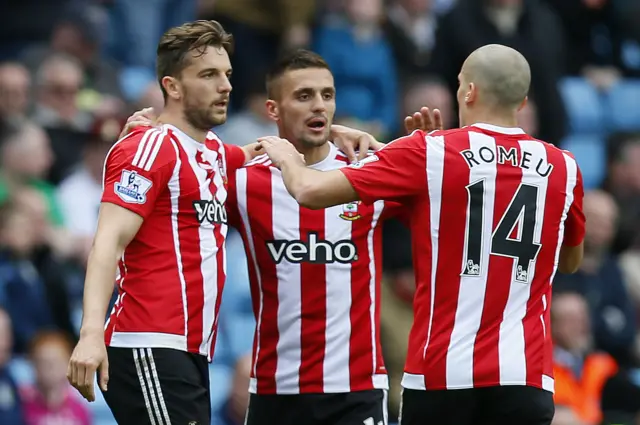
{"x":350,"y":211}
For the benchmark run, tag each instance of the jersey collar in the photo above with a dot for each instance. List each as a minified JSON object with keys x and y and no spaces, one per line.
{"x":498,"y":129}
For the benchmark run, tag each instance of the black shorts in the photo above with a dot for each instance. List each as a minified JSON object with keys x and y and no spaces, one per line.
{"x":356,"y":408}
{"x":508,"y":405}
{"x":158,"y":386}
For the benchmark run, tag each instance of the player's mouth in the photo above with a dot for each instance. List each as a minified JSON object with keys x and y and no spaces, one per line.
{"x":221,"y":103}
{"x":317,"y":125}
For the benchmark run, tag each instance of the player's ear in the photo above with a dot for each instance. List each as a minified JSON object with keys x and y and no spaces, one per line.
{"x":472,"y":93}
{"x":523,"y":104}
{"x":172,"y":87}
{"x":272,"y":109}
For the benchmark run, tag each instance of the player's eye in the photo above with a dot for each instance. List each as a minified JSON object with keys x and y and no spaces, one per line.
{"x":303,"y":96}
{"x":328,"y":96}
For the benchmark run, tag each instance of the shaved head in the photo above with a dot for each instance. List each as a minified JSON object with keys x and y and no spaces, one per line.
{"x":501,"y":75}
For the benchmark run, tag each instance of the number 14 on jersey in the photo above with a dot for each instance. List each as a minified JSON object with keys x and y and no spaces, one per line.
{"x":520,"y":216}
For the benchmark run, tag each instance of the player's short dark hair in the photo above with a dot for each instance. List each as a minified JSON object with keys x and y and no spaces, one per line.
{"x":176,"y":44}
{"x":292,"y":61}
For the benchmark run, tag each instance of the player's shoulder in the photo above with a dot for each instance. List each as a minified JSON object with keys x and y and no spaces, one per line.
{"x":145,"y":148}
{"x":259,"y":163}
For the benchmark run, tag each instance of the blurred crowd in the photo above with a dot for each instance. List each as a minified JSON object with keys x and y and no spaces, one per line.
{"x":71,"y":71}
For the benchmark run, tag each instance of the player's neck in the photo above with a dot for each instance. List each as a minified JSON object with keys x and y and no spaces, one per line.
{"x":314,"y":154}
{"x":502,"y":120}
{"x":178,"y":121}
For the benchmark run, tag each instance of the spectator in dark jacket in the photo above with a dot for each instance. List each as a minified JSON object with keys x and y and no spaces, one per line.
{"x":10,"y":404}
{"x":526,"y":25}
{"x":600,"y":280}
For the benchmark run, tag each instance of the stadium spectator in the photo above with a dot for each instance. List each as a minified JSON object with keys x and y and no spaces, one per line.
{"x":58,"y":83}
{"x":411,"y":31}
{"x":516,"y":23}
{"x":253,"y":122}
{"x":25,"y":160}
{"x":15,"y":87}
{"x":22,"y":289}
{"x":263,"y":29}
{"x":10,"y":402}
{"x":579,"y":372}
{"x":51,"y":399}
{"x":80,"y":33}
{"x":369,"y":91}
{"x":601,"y":282}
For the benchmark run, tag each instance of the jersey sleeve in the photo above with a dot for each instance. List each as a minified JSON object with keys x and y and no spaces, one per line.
{"x":397,"y":170}
{"x":235,"y":157}
{"x":133,"y":180}
{"x":574,"y":228}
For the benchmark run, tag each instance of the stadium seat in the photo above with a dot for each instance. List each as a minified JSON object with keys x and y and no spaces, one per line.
{"x":590,"y":153}
{"x":21,"y":370}
{"x":584,"y":106}
{"x":623,"y":106}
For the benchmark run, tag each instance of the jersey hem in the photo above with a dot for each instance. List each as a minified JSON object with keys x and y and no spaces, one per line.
{"x":151,"y":340}
{"x":412,"y":381}
{"x":380,"y":382}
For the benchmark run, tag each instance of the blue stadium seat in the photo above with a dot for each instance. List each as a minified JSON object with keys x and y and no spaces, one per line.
{"x":623,"y":106}
{"x":21,"y":370}
{"x":584,"y":105}
{"x":590,"y":153}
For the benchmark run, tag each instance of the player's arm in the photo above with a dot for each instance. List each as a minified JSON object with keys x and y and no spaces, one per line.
{"x":117,"y":226}
{"x":572,"y":249}
{"x":396,"y":171}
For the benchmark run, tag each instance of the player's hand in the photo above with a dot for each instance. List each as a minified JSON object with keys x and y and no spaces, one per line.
{"x":89,"y":356}
{"x":424,"y":119}
{"x":142,"y":118}
{"x":280,"y":150}
{"x":349,"y":139}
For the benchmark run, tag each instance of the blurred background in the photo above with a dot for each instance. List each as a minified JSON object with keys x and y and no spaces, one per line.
{"x":71,"y":71}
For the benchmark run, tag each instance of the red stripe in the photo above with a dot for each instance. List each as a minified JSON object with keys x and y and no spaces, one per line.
{"x":259,"y":198}
{"x":189,"y":238}
{"x":314,"y":311}
{"x":221,"y":276}
{"x":486,"y":357}
{"x":361,"y":360}
{"x":452,"y":226}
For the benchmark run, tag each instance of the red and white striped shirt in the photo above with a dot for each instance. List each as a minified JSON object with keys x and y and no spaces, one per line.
{"x":172,"y":273}
{"x":491,"y":207}
{"x":315,"y":282}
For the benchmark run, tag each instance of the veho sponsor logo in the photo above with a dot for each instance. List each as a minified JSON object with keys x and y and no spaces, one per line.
{"x":210,"y":211}
{"x":315,"y":250}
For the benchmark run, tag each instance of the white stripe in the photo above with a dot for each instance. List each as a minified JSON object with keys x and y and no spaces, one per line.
{"x":435,"y":168}
{"x":148,"y":339}
{"x":156,"y":149}
{"x":241,"y":195}
{"x":152,"y":391}
{"x":572,"y":180}
{"x":156,"y":381}
{"x":378,"y":207}
{"x":468,"y":314}
{"x":157,"y":136}
{"x":511,"y":343}
{"x":174,"y":191}
{"x":338,"y":307}
{"x":385,"y":407}
{"x":146,"y":138}
{"x":286,"y":226}
{"x":143,"y":387}
{"x":208,"y":247}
